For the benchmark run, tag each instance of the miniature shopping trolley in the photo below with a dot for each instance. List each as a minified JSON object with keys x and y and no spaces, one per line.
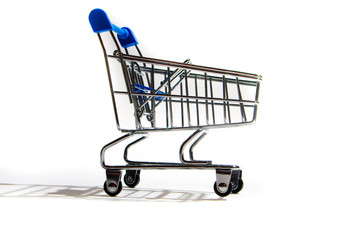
{"x":161,"y":95}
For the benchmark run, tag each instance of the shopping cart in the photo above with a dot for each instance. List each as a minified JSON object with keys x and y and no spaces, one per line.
{"x":166,"y":96}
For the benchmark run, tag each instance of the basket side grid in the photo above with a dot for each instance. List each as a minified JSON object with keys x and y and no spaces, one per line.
{"x":174,"y":96}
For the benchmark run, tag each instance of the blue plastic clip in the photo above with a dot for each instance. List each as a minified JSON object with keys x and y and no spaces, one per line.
{"x":100,"y":22}
{"x":143,"y":89}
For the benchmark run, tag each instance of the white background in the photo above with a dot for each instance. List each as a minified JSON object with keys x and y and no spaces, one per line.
{"x":300,"y":160}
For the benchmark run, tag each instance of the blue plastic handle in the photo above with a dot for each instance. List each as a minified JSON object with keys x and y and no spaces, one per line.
{"x":100,"y":22}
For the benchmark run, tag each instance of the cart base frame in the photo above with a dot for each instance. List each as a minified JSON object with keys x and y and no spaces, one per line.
{"x":228,"y":177}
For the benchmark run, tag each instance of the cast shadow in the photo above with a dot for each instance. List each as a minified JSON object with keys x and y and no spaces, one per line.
{"x":97,"y":193}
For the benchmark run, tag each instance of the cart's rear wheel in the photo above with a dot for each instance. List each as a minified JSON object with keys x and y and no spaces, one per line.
{"x":112,"y":189}
{"x":132,"y":178}
{"x":239,"y":186}
{"x":221,"y":192}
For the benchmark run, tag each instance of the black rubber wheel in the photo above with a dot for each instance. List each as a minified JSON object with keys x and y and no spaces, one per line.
{"x":113,"y":189}
{"x":223,"y":194}
{"x":240,"y":185}
{"x":132,"y":178}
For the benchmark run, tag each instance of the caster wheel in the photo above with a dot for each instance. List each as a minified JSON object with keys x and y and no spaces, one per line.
{"x":240,"y":185}
{"x":132,"y":178}
{"x":221,"y":192}
{"x":112,"y":189}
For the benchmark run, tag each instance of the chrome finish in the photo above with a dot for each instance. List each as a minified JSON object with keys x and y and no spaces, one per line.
{"x":206,"y":99}
{"x":212,"y":101}
{"x":171,"y":166}
{"x":109,"y":145}
{"x":242,"y":109}
{"x":168,"y":80}
{"x":112,"y":179}
{"x":188,"y":127}
{"x":128,"y":146}
{"x":182,"y":105}
{"x":110,"y":81}
{"x":171,"y":96}
{"x":137,"y":165}
{"x":197,"y":102}
{"x":223,"y":179}
{"x":153,"y":123}
{"x":184,"y":144}
{"x":187,"y":100}
{"x":166,"y":96}
{"x":235,"y":175}
{"x":191,"y":66}
{"x":191,"y":154}
{"x":251,"y":103}
{"x":170,"y":103}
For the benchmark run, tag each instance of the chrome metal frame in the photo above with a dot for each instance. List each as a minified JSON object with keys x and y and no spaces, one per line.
{"x":174,"y":80}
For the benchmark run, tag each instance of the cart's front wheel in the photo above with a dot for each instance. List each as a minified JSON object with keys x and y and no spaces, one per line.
{"x":132,"y":178}
{"x":112,"y":189}
{"x":221,"y":189}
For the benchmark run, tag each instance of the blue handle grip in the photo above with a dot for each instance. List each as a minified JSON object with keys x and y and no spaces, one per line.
{"x":100,"y":22}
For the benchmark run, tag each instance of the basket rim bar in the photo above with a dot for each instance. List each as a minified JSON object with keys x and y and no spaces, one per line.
{"x":188,"y":66}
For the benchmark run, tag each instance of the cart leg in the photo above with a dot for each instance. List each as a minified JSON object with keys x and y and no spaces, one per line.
{"x":223,"y":186}
{"x":189,"y":139}
{"x":113,"y":185}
